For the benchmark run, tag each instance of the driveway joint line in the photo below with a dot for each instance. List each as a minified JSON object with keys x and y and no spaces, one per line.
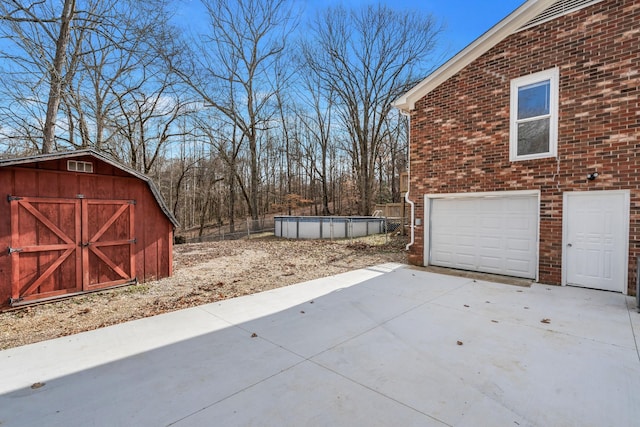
{"x":633,"y":331}
{"x":235,"y":393}
{"x":378,"y":392}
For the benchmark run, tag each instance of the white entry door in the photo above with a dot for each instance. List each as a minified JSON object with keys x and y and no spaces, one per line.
{"x":596,"y":230}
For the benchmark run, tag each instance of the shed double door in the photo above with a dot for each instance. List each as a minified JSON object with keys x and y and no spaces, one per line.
{"x":66,"y":246}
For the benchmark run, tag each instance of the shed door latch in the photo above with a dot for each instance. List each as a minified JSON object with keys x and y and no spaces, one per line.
{"x":12,"y":250}
{"x":11,"y":198}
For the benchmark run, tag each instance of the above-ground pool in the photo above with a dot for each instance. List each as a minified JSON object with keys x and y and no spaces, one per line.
{"x":327,"y":227}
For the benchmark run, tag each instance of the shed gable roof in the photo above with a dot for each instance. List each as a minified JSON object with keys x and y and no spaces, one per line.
{"x":100,"y":156}
{"x":529,"y":14}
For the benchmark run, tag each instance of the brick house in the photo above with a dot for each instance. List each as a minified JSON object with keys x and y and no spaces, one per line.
{"x":525,"y":148}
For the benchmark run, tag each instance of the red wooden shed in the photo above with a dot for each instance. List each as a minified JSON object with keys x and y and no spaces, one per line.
{"x":77,"y":222}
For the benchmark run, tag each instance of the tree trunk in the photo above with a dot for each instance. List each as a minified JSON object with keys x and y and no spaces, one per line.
{"x":232,"y":199}
{"x":365,"y":183}
{"x":323,"y":178}
{"x":55,"y":88}
{"x":253,"y":206}
{"x":207,"y":203}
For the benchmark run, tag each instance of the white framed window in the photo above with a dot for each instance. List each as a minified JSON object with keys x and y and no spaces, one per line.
{"x":533,"y":130}
{"x":79,"y":166}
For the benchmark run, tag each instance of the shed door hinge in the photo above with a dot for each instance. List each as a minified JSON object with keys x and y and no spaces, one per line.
{"x":12,"y":250}
{"x":132,"y":202}
{"x":12,"y":301}
{"x":11,"y":198}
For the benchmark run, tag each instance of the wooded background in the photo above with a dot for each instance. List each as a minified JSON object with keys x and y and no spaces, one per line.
{"x":253,"y":108}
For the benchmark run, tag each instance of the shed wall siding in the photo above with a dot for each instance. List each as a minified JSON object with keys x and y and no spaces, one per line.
{"x":460,"y":131}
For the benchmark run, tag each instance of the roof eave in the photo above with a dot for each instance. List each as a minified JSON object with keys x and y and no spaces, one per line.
{"x":507,"y":26}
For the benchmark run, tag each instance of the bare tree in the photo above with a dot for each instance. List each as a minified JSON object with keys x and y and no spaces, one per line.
{"x":318,"y":124}
{"x":117,"y":62}
{"x":208,"y":177}
{"x":58,"y":55}
{"x":288,"y":140}
{"x":147,"y":124}
{"x":56,"y":75}
{"x":45,"y":41}
{"x":367,"y":58}
{"x":395,"y":148}
{"x":33,"y":31}
{"x":227,"y":141}
{"x":230,"y":68}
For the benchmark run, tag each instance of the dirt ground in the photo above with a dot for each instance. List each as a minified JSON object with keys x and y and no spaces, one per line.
{"x":203,"y":273}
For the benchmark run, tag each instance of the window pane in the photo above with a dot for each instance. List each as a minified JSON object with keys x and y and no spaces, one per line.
{"x":533,"y":137}
{"x":533,"y":99}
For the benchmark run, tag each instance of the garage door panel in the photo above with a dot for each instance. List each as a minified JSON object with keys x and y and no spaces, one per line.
{"x":464,"y":260}
{"x":465,"y":240}
{"x":519,"y":245}
{"x":443,"y":258}
{"x":488,"y":242}
{"x":490,"y":262}
{"x":518,"y":266}
{"x":518,"y":223}
{"x":488,"y":234}
{"x":491,"y":222}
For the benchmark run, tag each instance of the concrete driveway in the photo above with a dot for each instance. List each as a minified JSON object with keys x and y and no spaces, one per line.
{"x":384,"y":346}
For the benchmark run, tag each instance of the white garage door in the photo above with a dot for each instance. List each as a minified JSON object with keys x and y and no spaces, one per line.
{"x":493,"y":234}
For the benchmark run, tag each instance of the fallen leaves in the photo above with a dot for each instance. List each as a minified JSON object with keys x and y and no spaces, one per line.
{"x":359,"y":246}
{"x":545,"y":320}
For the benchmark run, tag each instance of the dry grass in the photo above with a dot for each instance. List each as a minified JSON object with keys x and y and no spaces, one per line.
{"x":203,"y":273}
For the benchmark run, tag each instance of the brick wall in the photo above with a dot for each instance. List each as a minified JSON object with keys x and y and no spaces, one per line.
{"x":460,"y":131}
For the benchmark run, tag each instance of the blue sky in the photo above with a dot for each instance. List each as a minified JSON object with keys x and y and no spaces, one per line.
{"x":465,"y":20}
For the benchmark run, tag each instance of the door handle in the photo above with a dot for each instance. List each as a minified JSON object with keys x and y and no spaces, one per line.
{"x":569,"y":245}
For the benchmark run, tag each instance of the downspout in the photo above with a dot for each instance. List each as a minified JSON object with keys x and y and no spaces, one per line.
{"x":406,"y":195}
